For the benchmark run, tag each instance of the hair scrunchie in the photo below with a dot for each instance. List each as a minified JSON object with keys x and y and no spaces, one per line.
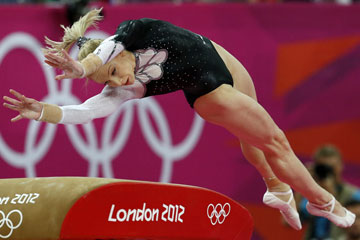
{"x":81,"y":41}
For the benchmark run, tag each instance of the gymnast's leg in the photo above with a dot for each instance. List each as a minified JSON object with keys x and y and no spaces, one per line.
{"x":246,"y":119}
{"x":278,"y":194}
{"x":243,"y":83}
{"x":257,"y":158}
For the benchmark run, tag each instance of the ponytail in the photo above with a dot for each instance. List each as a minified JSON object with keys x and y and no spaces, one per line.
{"x":73,"y":33}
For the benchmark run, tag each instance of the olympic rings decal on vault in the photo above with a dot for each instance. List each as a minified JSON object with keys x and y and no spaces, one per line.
{"x":5,"y":221}
{"x":218,"y":213}
{"x":99,"y":154}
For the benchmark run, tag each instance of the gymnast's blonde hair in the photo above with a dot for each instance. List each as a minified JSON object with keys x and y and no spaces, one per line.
{"x":73,"y":33}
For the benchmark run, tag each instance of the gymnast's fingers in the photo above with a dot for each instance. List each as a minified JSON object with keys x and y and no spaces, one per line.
{"x":12,"y":107}
{"x":51,"y":64}
{"x":20,"y":97}
{"x":16,"y":94}
{"x":29,"y":100}
{"x":54,"y":58}
{"x":17,"y":118}
{"x":61,"y":77}
{"x":50,"y":56}
{"x":67,"y":56}
{"x":12,"y":101}
{"x":59,"y":58}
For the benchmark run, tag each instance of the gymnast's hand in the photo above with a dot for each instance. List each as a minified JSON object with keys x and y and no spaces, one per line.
{"x":71,"y":68}
{"x":27,"y":107}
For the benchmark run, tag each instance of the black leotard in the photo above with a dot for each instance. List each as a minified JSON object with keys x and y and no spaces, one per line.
{"x":192,"y":65}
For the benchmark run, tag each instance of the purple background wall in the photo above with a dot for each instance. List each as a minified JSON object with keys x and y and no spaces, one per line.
{"x":304,"y":60}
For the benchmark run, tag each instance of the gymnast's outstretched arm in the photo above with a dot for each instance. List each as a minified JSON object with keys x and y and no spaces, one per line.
{"x":99,"y":106}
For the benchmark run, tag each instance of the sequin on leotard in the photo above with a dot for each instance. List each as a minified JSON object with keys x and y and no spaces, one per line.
{"x":177,"y":59}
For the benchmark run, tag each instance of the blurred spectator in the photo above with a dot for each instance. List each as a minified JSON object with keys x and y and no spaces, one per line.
{"x":353,"y":233}
{"x":327,"y":170}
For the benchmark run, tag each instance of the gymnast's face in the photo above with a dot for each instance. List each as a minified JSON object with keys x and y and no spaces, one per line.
{"x":118,"y":72}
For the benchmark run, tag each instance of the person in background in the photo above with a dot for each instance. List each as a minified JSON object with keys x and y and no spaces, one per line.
{"x":327,"y":170}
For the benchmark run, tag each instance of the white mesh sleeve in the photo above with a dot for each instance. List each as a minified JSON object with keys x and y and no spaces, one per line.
{"x":108,"y":49}
{"x":101,"y":105}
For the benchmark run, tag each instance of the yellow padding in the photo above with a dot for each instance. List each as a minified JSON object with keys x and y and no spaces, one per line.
{"x":51,"y":113}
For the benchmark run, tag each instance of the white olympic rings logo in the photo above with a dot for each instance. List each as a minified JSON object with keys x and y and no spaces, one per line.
{"x":218,"y":213}
{"x":99,"y":153}
{"x":6,"y":220}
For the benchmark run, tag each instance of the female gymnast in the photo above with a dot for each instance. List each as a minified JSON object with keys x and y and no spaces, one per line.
{"x":149,"y":57}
